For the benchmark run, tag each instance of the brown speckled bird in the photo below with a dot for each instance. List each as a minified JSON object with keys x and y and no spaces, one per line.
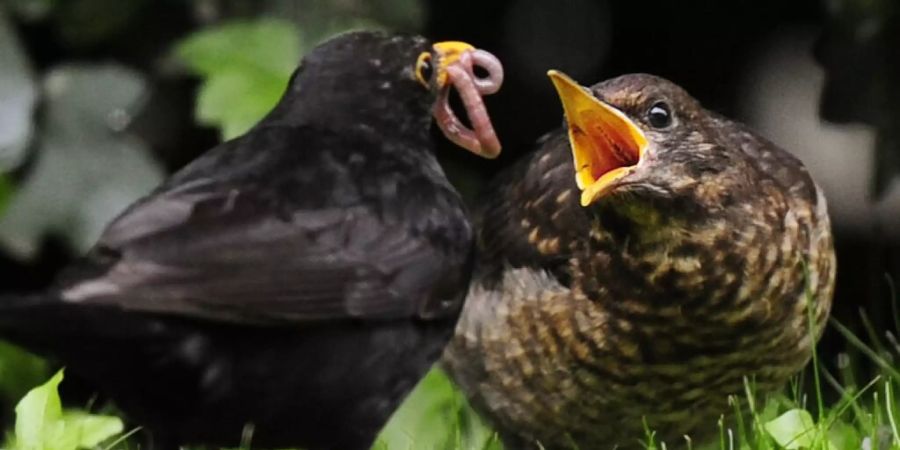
{"x":683,"y":256}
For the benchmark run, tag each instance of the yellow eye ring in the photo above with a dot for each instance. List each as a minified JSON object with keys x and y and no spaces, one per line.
{"x":424,"y":69}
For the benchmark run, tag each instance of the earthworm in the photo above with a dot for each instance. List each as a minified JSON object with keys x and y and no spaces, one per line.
{"x":481,"y":138}
{"x":488,"y":62}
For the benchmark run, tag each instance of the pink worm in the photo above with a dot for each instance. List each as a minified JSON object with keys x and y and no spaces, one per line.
{"x":481,"y":138}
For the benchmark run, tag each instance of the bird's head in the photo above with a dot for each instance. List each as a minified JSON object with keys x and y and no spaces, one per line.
{"x":397,"y":78}
{"x":639,"y":141}
{"x":692,"y":217}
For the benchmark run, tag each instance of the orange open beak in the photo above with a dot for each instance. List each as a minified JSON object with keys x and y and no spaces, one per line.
{"x":606,"y":144}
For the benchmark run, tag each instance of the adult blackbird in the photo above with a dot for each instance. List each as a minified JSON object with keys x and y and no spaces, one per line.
{"x":686,"y":254}
{"x":291,"y":285}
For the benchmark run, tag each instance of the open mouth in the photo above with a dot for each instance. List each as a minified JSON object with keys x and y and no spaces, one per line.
{"x":606,"y":144}
{"x":456,"y":67}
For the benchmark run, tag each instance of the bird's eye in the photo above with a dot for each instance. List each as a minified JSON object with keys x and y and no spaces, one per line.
{"x":424,"y":69}
{"x":659,"y":115}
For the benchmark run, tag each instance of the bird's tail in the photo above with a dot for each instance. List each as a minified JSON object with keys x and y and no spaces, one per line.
{"x":24,"y":311}
{"x":36,"y":320}
{"x":36,"y":313}
{"x":45,"y":324}
{"x":31,"y":321}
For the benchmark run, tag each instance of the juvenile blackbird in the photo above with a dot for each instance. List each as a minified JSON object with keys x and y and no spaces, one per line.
{"x":685,"y":254}
{"x":292,"y":284}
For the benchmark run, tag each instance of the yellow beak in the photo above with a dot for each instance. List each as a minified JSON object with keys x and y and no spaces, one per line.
{"x":606,"y":144}
{"x":448,"y":53}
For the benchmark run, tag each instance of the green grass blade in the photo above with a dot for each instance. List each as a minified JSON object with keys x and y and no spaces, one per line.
{"x":865,"y":349}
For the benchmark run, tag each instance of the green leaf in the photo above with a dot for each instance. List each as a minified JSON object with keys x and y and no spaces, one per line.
{"x":268,"y":45}
{"x":88,"y":430}
{"x":37,"y":414}
{"x":795,"y":429}
{"x":436,"y":416}
{"x":41,"y":423}
{"x":87,"y":167}
{"x":19,"y":96}
{"x":246,"y":66}
{"x":235,"y":101}
{"x":842,"y":435}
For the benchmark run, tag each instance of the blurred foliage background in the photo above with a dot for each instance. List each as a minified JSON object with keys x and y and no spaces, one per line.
{"x":101,"y":99}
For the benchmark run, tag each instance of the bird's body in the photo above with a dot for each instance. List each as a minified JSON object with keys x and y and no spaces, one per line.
{"x":587,"y":326}
{"x":289,"y":286}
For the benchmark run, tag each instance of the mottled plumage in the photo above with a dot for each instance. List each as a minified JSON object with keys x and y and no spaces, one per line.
{"x":655,"y":300}
{"x":293,"y":283}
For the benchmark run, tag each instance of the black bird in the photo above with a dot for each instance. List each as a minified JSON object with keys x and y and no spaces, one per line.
{"x":685,"y":253}
{"x":292,"y":284}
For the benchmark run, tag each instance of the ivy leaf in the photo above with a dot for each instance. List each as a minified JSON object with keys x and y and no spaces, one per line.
{"x":18,"y":96}
{"x":41,"y":423}
{"x":436,"y":416}
{"x":795,"y":429}
{"x":234,"y":101}
{"x":85,"y":430}
{"x":246,"y":66}
{"x":38,"y":414}
{"x":843,"y":435}
{"x":87,"y":168}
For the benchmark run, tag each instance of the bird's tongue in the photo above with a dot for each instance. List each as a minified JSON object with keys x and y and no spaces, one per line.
{"x":604,"y":151}
{"x":481,"y":138}
{"x":607,"y":146}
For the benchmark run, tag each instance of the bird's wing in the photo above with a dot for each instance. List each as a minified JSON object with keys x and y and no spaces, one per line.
{"x":205,"y":250}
